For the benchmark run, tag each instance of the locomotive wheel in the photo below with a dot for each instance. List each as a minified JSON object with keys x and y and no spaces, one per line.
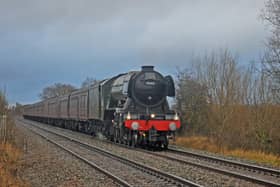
{"x":126,"y":141}
{"x":134,"y":140}
{"x":63,"y":124}
{"x":165,"y":144}
{"x":116,"y":135}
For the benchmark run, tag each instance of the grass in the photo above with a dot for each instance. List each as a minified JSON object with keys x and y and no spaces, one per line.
{"x":206,"y":144}
{"x":9,"y":154}
{"x":9,"y":157}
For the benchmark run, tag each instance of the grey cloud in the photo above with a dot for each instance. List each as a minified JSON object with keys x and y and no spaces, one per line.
{"x":146,"y":24}
{"x":84,"y":38}
{"x":206,"y":25}
{"x":32,"y":14}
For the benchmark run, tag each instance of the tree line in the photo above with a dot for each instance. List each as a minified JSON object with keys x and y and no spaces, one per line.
{"x":235,"y":104}
{"x":232,"y":104}
{"x":59,"y":89}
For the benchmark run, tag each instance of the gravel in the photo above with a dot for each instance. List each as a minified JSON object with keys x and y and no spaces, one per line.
{"x":133,"y":175}
{"x":233,"y":168}
{"x":44,"y":164}
{"x":243,"y":160}
{"x":197,"y":175}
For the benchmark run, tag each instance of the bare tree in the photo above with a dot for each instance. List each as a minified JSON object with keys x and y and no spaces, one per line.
{"x":220,"y":98}
{"x":191,"y":102}
{"x":222,"y":76}
{"x":56,"y":90}
{"x":271,"y":60}
{"x":7,"y":125}
{"x":3,"y":102}
{"x":18,"y":109}
{"x":88,"y":81}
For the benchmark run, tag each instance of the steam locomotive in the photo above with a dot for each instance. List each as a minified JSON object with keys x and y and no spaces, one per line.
{"x":129,"y":108}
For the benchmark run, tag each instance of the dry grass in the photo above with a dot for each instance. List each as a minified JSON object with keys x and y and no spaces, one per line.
{"x":9,"y":156}
{"x":198,"y":142}
{"x":206,"y":144}
{"x":257,"y":156}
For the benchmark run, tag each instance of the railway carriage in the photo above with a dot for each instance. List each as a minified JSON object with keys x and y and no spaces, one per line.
{"x":63,"y":105}
{"x":129,"y":108}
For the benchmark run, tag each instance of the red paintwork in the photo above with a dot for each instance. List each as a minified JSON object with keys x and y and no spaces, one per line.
{"x":160,"y":125}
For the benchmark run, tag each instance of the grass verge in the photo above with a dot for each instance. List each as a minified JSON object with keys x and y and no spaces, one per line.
{"x":206,"y":144}
{"x":9,"y":157}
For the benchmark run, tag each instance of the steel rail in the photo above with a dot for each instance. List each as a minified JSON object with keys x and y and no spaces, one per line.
{"x":271,"y":171}
{"x":214,"y":169}
{"x":256,"y":180}
{"x":176,"y":180}
{"x":221,"y":171}
{"x":112,"y":176}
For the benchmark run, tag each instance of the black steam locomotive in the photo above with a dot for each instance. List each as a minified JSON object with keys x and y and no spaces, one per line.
{"x":129,"y":108}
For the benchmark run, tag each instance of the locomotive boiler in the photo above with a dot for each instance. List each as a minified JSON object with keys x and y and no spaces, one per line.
{"x":129,"y":108}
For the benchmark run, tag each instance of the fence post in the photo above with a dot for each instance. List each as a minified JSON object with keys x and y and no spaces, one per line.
{"x":3,"y":128}
{"x":0,"y":127}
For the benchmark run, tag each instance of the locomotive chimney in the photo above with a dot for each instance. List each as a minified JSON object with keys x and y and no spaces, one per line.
{"x":147,"y":68}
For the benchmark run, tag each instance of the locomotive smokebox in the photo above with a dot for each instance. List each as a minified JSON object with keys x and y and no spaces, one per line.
{"x":148,"y":87}
{"x":147,"y":68}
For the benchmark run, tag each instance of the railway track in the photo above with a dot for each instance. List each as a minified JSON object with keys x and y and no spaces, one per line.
{"x":249,"y":172}
{"x":122,"y":170}
{"x":238,"y":170}
{"x":255,"y":174}
{"x":230,"y":163}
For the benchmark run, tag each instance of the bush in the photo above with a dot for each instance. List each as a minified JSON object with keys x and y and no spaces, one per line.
{"x":228,"y":103}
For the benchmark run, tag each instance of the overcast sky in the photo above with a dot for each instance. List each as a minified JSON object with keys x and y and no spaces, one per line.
{"x":43,"y":42}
